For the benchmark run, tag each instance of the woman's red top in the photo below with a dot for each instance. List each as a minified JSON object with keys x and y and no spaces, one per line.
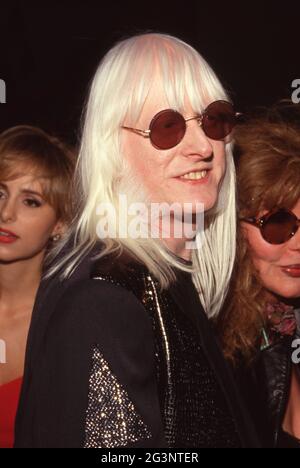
{"x":9,"y":399}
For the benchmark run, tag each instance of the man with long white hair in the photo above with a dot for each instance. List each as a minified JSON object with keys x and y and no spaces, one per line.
{"x":126,"y":356}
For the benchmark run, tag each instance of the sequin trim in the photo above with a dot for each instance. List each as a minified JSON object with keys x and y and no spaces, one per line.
{"x":193,"y":407}
{"x":161,"y":322}
{"x":111,"y":418}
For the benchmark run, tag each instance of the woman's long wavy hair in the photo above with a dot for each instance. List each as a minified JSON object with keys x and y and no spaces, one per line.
{"x":268,"y":176}
{"x":118,"y":91}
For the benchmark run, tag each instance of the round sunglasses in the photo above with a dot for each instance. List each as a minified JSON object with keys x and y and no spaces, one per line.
{"x":276,"y":227}
{"x":168,"y":127}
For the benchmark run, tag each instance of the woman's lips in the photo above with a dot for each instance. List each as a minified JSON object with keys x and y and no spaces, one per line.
{"x":292,"y":270}
{"x":7,"y":240}
{"x":7,"y":237}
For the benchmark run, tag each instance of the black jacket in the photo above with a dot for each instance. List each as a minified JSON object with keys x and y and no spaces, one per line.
{"x":266,"y":386}
{"x":99,"y":333}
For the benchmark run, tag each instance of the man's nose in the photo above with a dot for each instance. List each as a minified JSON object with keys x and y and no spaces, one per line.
{"x":196,"y":143}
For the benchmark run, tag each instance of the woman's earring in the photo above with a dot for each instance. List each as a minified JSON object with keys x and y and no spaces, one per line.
{"x":56,"y":238}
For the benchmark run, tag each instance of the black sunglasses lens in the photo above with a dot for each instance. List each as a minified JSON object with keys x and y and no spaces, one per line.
{"x":279,"y":227}
{"x":167,"y":129}
{"x":218,"y":120}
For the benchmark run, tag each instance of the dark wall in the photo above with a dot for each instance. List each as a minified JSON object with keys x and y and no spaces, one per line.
{"x":50,"y":50}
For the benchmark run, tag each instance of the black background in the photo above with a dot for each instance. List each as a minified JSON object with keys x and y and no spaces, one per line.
{"x":50,"y":50}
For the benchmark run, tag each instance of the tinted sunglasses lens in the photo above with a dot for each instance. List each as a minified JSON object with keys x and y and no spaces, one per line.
{"x":279,"y":227}
{"x":218,"y":120}
{"x":167,"y":129}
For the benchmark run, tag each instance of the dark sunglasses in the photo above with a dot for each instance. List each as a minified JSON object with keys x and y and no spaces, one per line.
{"x":168,"y":127}
{"x":276,"y":227}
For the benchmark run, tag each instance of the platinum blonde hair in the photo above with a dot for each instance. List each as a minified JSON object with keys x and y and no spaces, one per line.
{"x":118,"y":91}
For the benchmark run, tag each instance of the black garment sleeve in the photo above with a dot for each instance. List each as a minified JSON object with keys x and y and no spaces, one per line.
{"x":96,"y":383}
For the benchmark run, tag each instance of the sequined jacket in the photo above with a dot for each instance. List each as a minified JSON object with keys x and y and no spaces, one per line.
{"x":123,"y":364}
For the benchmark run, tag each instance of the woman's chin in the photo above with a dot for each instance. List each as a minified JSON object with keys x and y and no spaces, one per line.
{"x":289,"y":294}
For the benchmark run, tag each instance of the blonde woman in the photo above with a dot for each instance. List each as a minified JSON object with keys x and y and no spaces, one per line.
{"x":129,"y":359}
{"x":35,"y":175}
